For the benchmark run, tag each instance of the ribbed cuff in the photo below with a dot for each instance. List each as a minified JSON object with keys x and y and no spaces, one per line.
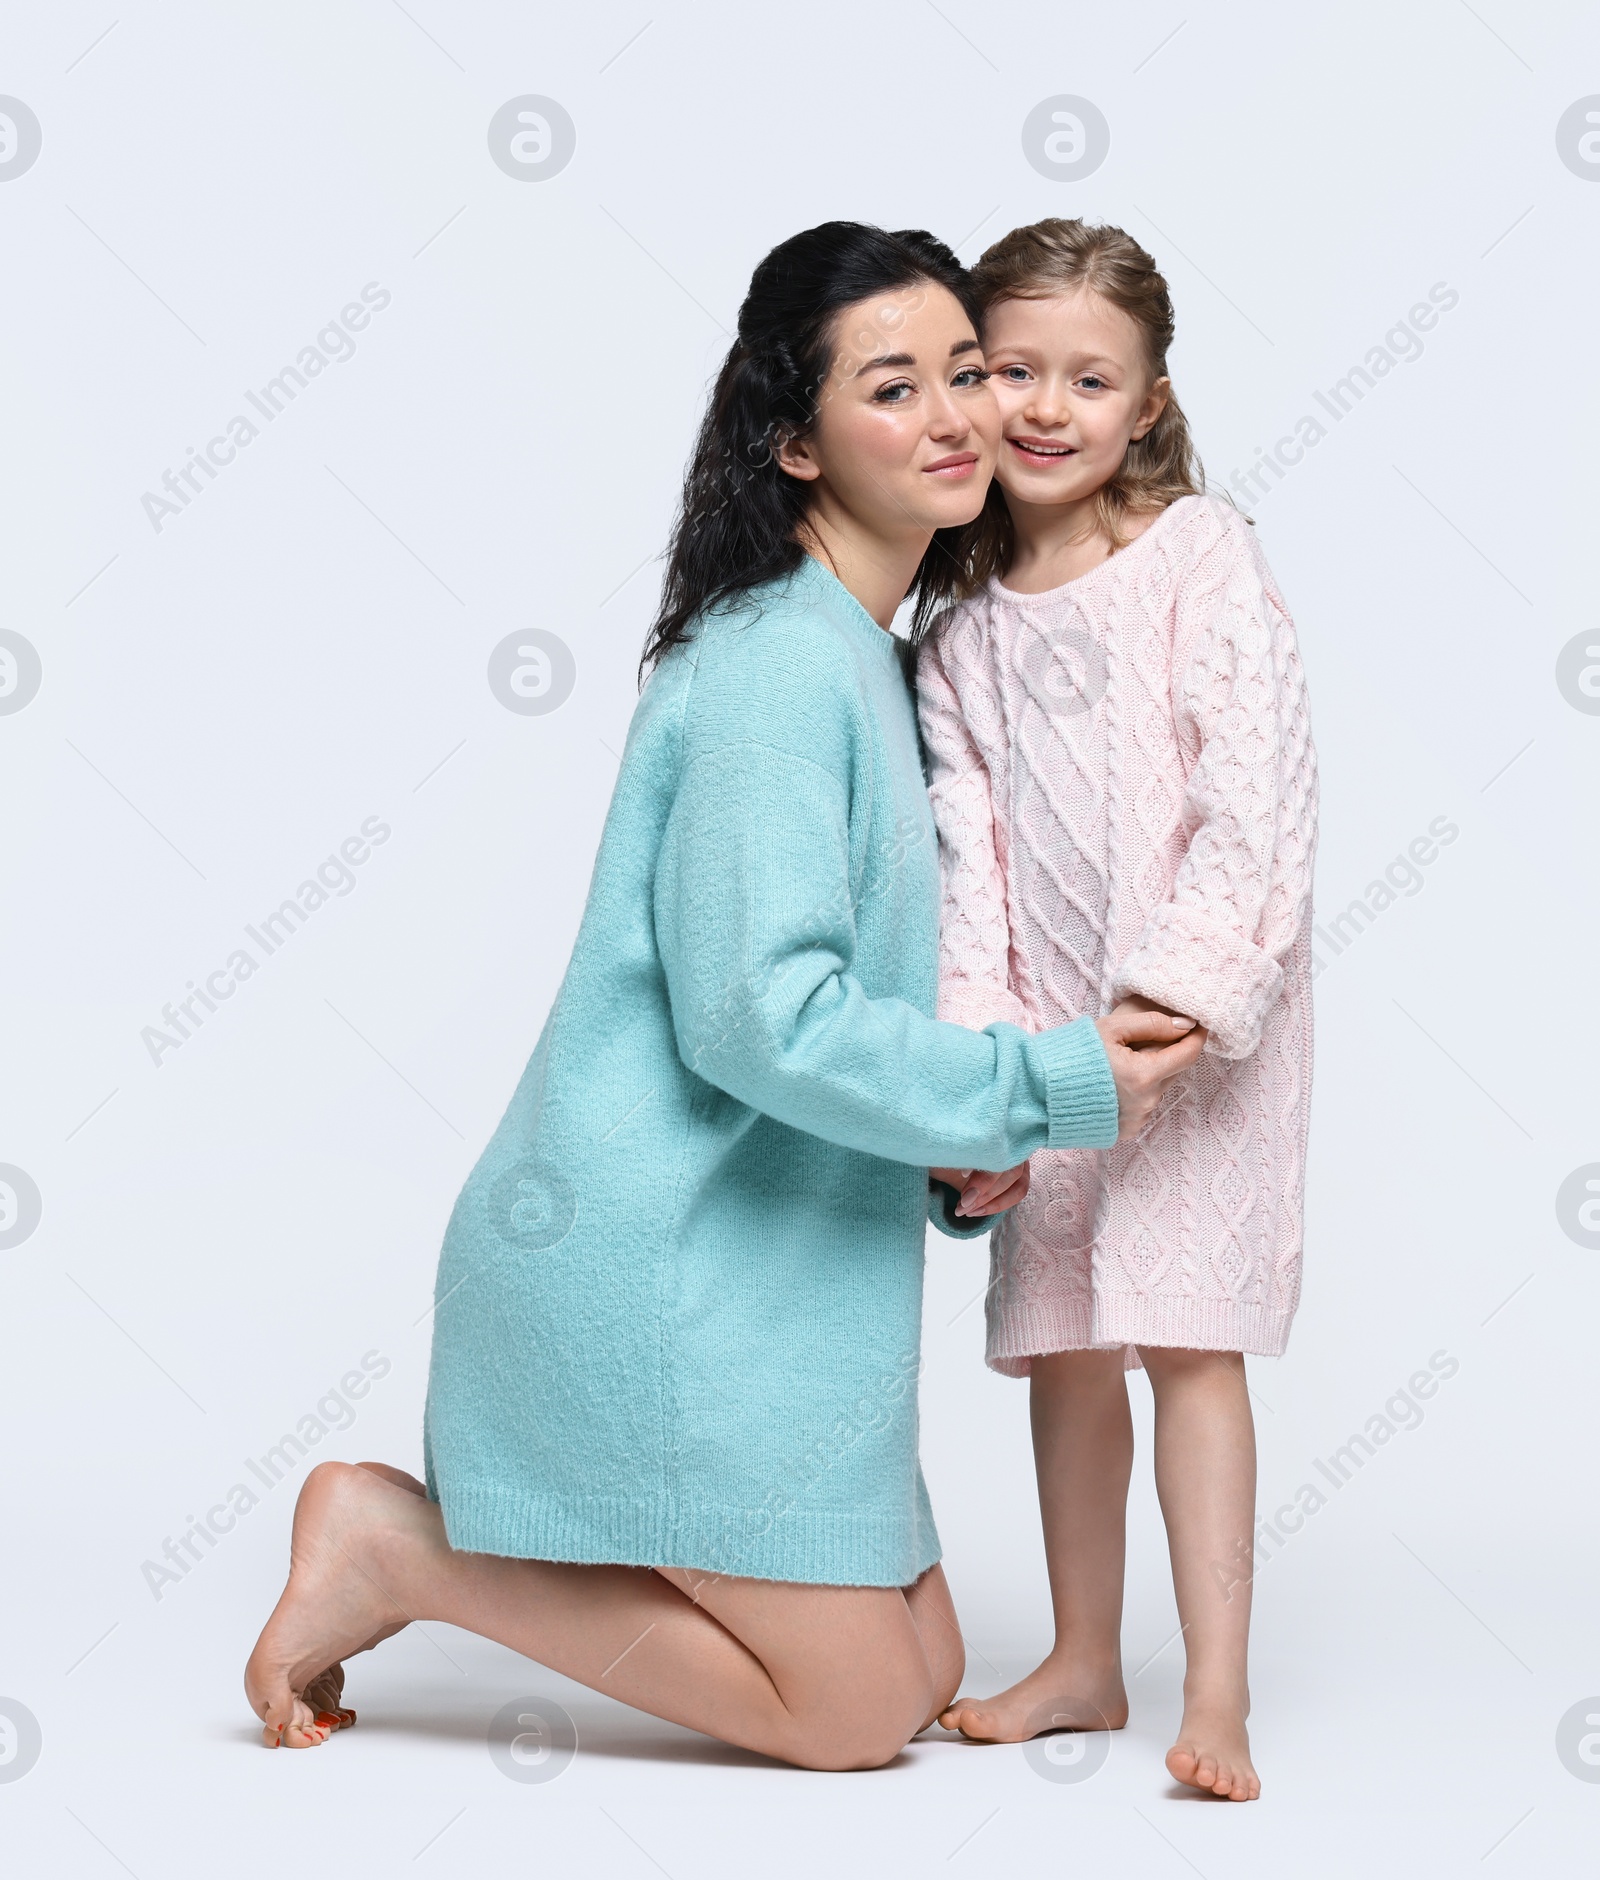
{"x":942,"y":1199}
{"x":1081,"y":1092}
{"x":1191,"y":962}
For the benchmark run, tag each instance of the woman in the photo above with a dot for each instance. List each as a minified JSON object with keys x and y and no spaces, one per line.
{"x":671,"y":1426}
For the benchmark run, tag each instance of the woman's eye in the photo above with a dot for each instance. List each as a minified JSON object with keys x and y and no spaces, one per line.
{"x":894,"y":393}
{"x":970,"y":375}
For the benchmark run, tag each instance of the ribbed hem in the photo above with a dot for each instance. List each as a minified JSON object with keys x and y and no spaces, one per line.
{"x":1081,"y":1092}
{"x":797,"y":1546}
{"x":1020,"y":1333}
{"x":1190,"y":1324}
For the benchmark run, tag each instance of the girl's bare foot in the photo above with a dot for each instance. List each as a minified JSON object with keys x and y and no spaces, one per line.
{"x":1213,"y":1753}
{"x":332,"y":1607}
{"x":1062,"y":1694}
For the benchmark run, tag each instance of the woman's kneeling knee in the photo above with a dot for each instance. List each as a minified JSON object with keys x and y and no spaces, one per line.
{"x":847,"y":1749}
{"x":838,"y":1740}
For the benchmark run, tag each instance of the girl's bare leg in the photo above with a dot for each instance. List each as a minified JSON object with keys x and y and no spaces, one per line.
{"x":824,"y":1676}
{"x":1206,"y":1478}
{"x":1083,"y":1454}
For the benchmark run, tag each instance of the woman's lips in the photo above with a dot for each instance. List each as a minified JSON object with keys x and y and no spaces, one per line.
{"x":1041,"y":449}
{"x":953,"y":469}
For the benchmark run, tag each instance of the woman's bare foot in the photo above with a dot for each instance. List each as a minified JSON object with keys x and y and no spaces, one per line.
{"x":1062,"y":1694}
{"x":321,"y":1697}
{"x":331,"y":1608}
{"x":398,"y":1476}
{"x":1213,"y":1753}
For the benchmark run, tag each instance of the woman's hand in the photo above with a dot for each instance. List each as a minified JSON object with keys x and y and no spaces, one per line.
{"x":1137,"y":1002}
{"x":983,"y":1191}
{"x":1147,"y":1046}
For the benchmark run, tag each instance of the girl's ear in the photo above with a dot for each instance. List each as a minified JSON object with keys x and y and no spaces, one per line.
{"x":793,"y":455}
{"x":1155,"y":402}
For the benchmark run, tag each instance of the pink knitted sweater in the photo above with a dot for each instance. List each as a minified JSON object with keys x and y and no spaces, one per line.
{"x":1124,"y":785}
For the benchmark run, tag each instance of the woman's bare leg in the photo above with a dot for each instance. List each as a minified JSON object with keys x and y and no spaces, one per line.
{"x":828,"y":1677}
{"x":1206,"y":1478}
{"x":933,"y":1613}
{"x":1083,"y":1454}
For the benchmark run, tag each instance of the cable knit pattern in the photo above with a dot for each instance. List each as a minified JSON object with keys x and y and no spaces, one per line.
{"x":1125,"y":789}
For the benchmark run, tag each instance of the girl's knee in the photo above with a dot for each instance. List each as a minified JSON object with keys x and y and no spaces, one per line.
{"x":1075,"y":1371}
{"x":1170,"y":1363}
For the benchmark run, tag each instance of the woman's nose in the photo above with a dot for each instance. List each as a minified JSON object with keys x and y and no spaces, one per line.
{"x":947,"y":417}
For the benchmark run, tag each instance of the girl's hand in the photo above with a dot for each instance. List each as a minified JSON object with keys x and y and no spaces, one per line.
{"x":983,"y":1191}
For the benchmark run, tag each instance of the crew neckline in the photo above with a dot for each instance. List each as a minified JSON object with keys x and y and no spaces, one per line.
{"x":829,"y":587}
{"x":1119,"y":559}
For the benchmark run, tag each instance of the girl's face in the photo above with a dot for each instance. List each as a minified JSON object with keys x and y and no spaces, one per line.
{"x":1070,"y":377}
{"x":906,"y":431}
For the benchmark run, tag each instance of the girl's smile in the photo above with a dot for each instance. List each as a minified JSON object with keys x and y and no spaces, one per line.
{"x":1041,"y":448}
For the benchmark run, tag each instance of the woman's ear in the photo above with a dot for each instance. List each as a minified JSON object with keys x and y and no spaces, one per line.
{"x":793,"y":455}
{"x":1155,"y":402}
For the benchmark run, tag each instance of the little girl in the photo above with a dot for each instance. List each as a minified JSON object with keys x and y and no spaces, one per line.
{"x":1125,"y":790}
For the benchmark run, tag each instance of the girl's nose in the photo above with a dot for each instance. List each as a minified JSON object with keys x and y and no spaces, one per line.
{"x":1045,"y":406}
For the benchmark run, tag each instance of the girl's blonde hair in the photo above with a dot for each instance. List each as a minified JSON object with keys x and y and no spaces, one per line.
{"x":1058,"y":256}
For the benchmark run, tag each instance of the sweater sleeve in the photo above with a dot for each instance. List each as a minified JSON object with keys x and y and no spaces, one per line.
{"x":756,"y":929}
{"x":974,"y":920}
{"x":1214,"y":948}
{"x":942,"y":1199}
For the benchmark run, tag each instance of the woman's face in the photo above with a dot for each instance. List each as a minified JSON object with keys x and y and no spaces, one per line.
{"x":906,"y":431}
{"x":1070,"y":378}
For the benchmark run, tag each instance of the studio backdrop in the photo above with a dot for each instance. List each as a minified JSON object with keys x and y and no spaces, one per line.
{"x":351,"y":357}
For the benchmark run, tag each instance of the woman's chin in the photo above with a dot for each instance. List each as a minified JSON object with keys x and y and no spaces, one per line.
{"x":957,"y":507}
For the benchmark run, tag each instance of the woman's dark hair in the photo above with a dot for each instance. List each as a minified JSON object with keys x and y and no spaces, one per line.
{"x":740,"y":517}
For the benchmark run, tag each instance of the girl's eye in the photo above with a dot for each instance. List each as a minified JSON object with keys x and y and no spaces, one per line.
{"x":1092,"y":382}
{"x":895,"y":392}
{"x":1014,"y":374}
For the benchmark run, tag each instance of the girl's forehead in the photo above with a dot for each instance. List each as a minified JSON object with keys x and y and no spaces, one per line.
{"x":1074,"y":318}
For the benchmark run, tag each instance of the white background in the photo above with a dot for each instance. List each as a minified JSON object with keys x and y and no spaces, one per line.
{"x":305,"y":646}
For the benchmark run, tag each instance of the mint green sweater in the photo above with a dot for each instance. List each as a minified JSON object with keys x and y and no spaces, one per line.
{"x":679,"y":1301}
